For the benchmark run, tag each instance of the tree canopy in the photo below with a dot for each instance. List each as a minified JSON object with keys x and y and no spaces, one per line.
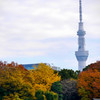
{"x":44,"y":77}
{"x":68,"y":73}
{"x":93,"y":66}
{"x":16,"y":81}
{"x":89,"y":82}
{"x":69,"y":89}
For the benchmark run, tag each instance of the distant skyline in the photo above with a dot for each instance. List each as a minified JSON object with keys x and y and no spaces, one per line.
{"x":35,"y":31}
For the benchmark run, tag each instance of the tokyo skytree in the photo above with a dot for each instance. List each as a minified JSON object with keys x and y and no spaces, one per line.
{"x":81,"y":54}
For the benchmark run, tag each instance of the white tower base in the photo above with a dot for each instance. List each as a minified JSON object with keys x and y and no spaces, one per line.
{"x":81,"y":65}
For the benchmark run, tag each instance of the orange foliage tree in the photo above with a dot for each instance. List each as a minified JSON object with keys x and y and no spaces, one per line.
{"x":93,"y":66}
{"x":89,"y":83}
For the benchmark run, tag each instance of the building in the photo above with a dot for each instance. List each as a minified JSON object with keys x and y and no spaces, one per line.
{"x":81,"y":54}
{"x":31,"y":66}
{"x":56,"y":68}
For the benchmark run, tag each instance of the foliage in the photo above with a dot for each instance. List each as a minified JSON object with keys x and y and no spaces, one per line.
{"x":69,"y":89}
{"x":89,"y":83}
{"x":12,"y":97}
{"x":18,"y":83}
{"x":84,"y":94}
{"x":14,"y":80}
{"x":57,"y":88}
{"x":44,"y":77}
{"x":38,"y":92}
{"x":51,"y":95}
{"x":40,"y":95}
{"x":93,"y":66}
{"x":67,"y":74}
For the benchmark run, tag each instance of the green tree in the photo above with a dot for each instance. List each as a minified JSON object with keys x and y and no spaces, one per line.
{"x":39,"y":94}
{"x":57,"y":88}
{"x":51,"y":95}
{"x":67,"y":74}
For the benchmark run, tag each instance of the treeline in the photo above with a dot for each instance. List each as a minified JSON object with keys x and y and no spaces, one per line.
{"x":17,"y":83}
{"x":86,"y":84}
{"x":43,"y":83}
{"x":68,"y":73}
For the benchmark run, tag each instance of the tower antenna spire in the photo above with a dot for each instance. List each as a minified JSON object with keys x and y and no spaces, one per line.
{"x":80,"y":10}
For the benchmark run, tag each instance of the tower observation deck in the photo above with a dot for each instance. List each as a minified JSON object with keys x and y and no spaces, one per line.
{"x":81,"y":54}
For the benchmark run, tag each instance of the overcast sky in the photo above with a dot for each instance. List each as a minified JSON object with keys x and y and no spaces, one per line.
{"x":34,"y":31}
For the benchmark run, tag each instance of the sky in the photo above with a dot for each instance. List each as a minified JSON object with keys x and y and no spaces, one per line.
{"x":45,"y":31}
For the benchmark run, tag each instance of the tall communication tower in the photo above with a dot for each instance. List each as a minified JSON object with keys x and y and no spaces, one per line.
{"x":81,"y":54}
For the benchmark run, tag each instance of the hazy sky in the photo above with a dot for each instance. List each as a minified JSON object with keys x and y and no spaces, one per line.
{"x":34,"y":31}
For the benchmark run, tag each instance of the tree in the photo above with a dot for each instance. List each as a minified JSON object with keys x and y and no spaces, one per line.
{"x":69,"y":89}
{"x":57,"y":88}
{"x":89,"y":84}
{"x":14,"y":81}
{"x":51,"y":95}
{"x":67,"y":74}
{"x":44,"y":77}
{"x":40,"y":95}
{"x":17,"y":82}
{"x":48,"y":95}
{"x":93,"y":66}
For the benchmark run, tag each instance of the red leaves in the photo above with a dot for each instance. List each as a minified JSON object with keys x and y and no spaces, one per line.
{"x":94,"y":66}
{"x":90,"y":80}
{"x":11,"y":65}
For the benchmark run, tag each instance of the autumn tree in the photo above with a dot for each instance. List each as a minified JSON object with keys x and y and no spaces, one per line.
{"x":44,"y":77}
{"x":89,"y":84}
{"x":93,"y":66}
{"x":15,"y":81}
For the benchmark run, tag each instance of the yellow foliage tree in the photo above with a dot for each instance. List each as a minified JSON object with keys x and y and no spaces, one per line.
{"x":17,"y":82}
{"x":44,"y":77}
{"x":15,"y":79}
